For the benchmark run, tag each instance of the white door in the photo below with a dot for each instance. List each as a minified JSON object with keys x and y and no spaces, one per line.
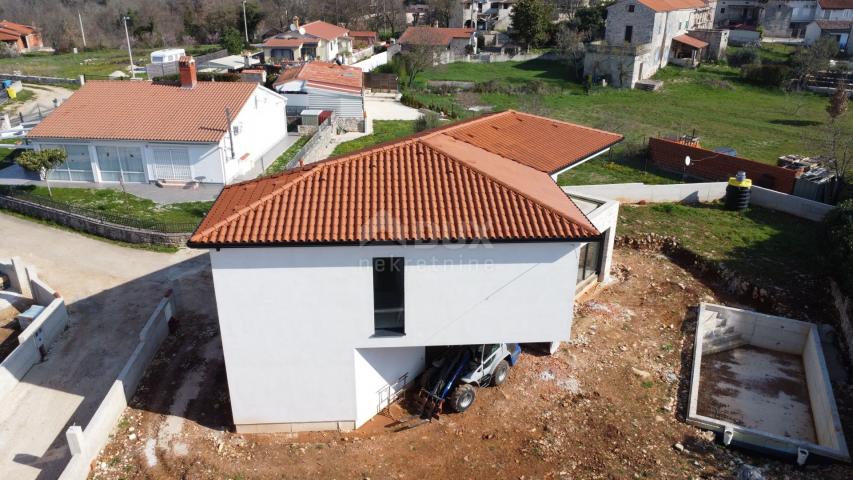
{"x":172,"y":164}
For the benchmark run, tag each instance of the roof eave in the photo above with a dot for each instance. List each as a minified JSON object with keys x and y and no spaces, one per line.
{"x":593,"y":154}
{"x":218,"y":245}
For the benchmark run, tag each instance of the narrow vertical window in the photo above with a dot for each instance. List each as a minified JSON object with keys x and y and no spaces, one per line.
{"x":629,"y":33}
{"x":631,"y":8}
{"x":388,"y":297}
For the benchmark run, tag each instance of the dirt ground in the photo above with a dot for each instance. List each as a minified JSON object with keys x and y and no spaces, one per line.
{"x":608,"y":405}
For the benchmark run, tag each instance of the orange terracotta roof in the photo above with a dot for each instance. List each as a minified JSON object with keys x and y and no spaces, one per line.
{"x":123,"y":110}
{"x":17,"y":27}
{"x":325,"y":75}
{"x":836,"y":4}
{"x":324,"y":30}
{"x":286,"y":42}
{"x":433,"y":36}
{"x":363,"y":34}
{"x":670,"y":5}
{"x":545,"y":144}
{"x":690,"y":41}
{"x":428,"y":187}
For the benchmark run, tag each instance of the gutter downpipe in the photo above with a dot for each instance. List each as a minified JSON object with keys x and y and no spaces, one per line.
{"x":663,"y":50}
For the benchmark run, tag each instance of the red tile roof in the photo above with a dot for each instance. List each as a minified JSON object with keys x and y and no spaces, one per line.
{"x":123,"y":110}
{"x":432,"y":186}
{"x":836,"y":4}
{"x":690,"y":41}
{"x":16,"y":27}
{"x":433,"y":36}
{"x":834,"y":24}
{"x":286,"y":42}
{"x":324,"y":30}
{"x":325,"y":75}
{"x":671,"y":5}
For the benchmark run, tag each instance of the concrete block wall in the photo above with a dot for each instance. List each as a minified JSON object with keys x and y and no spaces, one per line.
{"x":720,"y":334}
{"x":640,"y":192}
{"x":14,"y":269}
{"x":797,"y":206}
{"x":86,"y":443}
{"x":669,"y":155}
{"x":828,"y":428}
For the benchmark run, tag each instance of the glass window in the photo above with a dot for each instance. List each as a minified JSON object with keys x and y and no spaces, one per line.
{"x":120,"y":164}
{"x":388,"y":295}
{"x":78,"y":166}
{"x":589,"y":261}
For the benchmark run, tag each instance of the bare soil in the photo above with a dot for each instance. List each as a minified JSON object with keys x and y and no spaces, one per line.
{"x":608,"y":405}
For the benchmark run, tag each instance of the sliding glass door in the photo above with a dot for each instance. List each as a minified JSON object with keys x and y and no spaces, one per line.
{"x":121,"y":164}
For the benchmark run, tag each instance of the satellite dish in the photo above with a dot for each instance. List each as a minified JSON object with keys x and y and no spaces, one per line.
{"x":687,"y":161}
{"x":292,"y":27}
{"x":302,"y":30}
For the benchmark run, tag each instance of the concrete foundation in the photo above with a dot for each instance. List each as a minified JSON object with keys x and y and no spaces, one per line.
{"x":761,"y":382}
{"x":342,"y":426}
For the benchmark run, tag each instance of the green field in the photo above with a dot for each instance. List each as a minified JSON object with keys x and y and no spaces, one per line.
{"x":712,"y":101}
{"x":383,"y":131}
{"x":763,"y":246}
{"x":93,"y":63}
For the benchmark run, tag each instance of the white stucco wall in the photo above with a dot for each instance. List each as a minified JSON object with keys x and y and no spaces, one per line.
{"x":292,"y":317}
{"x":263,"y":124}
{"x":378,"y":373}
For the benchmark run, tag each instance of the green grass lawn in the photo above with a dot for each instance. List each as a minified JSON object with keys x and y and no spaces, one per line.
{"x":383,"y":131}
{"x":24,"y":95}
{"x":7,"y":155}
{"x":93,"y":63}
{"x":764,"y":246}
{"x":603,"y":170}
{"x":760,"y":123}
{"x":285,"y":158}
{"x":117,"y":202}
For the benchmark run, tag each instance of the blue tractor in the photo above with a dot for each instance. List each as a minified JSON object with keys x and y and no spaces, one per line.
{"x":452,"y":379}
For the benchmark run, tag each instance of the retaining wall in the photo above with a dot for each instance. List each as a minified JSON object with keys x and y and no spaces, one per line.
{"x":40,"y":79}
{"x":703,"y":192}
{"x":94,"y":226}
{"x":315,"y":149}
{"x":707,"y":164}
{"x":37,"y":338}
{"x":16,"y":272}
{"x":85,"y":444}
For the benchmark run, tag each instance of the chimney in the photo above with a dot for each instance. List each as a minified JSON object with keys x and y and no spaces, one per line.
{"x":187,"y":72}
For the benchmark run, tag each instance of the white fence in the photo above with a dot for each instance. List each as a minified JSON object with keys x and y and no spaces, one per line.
{"x":370,"y":63}
{"x":85,"y":444}
{"x":703,"y":192}
{"x":38,"y":336}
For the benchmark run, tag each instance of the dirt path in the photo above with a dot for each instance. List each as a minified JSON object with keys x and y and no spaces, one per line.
{"x":110,"y":292}
{"x":42,"y":101}
{"x":608,"y":405}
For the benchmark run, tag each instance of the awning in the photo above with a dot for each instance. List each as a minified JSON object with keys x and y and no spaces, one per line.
{"x":690,"y":41}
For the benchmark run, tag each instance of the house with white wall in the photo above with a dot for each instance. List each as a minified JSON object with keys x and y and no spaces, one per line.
{"x":833,"y":18}
{"x":325,"y":86}
{"x":140,"y":132}
{"x":482,"y":15}
{"x":332,"y":279}
{"x":448,"y":43}
{"x":643,"y":36}
{"x":316,"y":40}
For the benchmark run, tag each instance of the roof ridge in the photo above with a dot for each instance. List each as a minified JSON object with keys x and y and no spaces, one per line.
{"x":506,"y":185}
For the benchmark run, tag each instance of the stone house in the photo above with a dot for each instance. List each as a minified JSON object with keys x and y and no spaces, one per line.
{"x":776,"y":18}
{"x":20,"y":38}
{"x":642,"y":36}
{"x":482,"y":15}
{"x":833,"y":18}
{"x":449,"y":42}
{"x":313,"y":41}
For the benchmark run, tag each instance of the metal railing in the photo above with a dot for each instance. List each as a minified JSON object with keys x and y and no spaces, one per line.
{"x":95,"y":215}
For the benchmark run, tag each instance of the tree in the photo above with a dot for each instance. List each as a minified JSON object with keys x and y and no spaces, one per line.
{"x":415,"y":58}
{"x":443,"y":11}
{"x":232,"y":40}
{"x":838,"y":139}
{"x":570,"y":44}
{"x":590,"y":21}
{"x":42,"y":162}
{"x":813,"y":58}
{"x":530,"y":22}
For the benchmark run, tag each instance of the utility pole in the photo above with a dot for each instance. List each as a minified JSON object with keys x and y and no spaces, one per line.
{"x":125,"y":18}
{"x":245,"y":22}
{"x":82,"y":31}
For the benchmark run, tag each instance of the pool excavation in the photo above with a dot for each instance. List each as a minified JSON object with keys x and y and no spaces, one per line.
{"x":760,"y":382}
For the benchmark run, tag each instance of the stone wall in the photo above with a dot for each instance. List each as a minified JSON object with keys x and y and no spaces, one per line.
{"x":39,"y":79}
{"x":350,"y":124}
{"x":315,"y":149}
{"x":96,"y":227}
{"x":718,"y":42}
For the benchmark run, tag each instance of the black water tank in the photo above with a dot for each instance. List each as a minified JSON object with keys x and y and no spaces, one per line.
{"x":738,"y":192}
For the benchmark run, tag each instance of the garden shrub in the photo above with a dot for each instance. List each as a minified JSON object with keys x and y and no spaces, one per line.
{"x":742,"y":56}
{"x":768,"y":75}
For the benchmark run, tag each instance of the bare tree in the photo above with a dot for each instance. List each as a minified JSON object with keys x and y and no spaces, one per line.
{"x":418,"y":57}
{"x":838,"y":140}
{"x":570,"y":45}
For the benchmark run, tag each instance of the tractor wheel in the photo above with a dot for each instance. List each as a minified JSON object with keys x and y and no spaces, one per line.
{"x":462,"y":398}
{"x":500,"y":373}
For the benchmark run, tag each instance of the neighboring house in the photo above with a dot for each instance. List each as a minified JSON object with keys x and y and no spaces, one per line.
{"x":483,"y":15}
{"x":448,"y":42}
{"x":833,"y":18}
{"x":642,"y":36}
{"x":313,"y":41}
{"x":144,"y":132}
{"x":325,"y":86}
{"x":776,"y":18}
{"x":332,"y":279}
{"x":20,"y":38}
{"x":363,"y":39}
{"x":418,"y":14}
